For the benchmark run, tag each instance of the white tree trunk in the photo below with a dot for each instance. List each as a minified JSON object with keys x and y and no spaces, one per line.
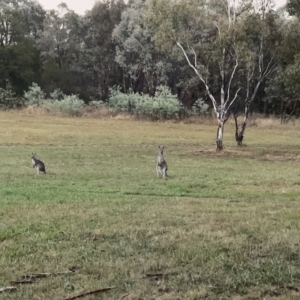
{"x":222,"y":112}
{"x":219,"y":140}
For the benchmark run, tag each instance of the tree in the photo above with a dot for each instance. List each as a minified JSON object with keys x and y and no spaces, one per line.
{"x":59,"y":43}
{"x":260,"y":34}
{"x":19,"y":58}
{"x":205,"y":32}
{"x":293,"y":7}
{"x":144,"y":67}
{"x":31,"y":12}
{"x":283,"y":89}
{"x":96,"y":61}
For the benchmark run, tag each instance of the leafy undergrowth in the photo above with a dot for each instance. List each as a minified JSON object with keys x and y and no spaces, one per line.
{"x":222,"y":226}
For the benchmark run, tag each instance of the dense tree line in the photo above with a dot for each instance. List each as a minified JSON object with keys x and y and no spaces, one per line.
{"x":236,"y":56}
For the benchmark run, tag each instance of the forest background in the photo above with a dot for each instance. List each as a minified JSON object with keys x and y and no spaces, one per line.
{"x":245,"y":49}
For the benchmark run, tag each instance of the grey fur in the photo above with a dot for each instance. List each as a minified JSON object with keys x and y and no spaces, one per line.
{"x":38,"y":164}
{"x":161,"y":164}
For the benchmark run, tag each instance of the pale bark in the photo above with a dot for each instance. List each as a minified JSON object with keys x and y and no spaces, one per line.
{"x":222,"y":113}
{"x":239,"y":136}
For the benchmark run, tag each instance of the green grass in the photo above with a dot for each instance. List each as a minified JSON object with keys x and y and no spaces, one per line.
{"x":222,"y":226}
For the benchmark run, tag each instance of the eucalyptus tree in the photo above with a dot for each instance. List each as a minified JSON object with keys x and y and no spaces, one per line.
{"x":293,"y":7}
{"x":19,"y":58}
{"x":59,"y":43}
{"x":31,"y":12}
{"x":260,"y":33}
{"x":283,"y":90}
{"x":97,"y":54}
{"x":143,"y":65}
{"x":205,"y":33}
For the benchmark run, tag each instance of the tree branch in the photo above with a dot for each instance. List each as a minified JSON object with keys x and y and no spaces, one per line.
{"x":213,"y":100}
{"x":232,"y":100}
{"x":230,"y":80}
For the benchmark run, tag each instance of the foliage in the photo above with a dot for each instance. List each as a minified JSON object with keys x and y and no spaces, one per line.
{"x":97,"y":104}
{"x":283,"y":91}
{"x":133,"y":45}
{"x":60,"y":103}
{"x":34,"y":96}
{"x":95,"y":67}
{"x":144,"y":67}
{"x":199,"y":107}
{"x":19,"y":59}
{"x":70,"y":105}
{"x":8,"y":99}
{"x":163,"y":105}
{"x":57,"y":94}
{"x":293,"y":7}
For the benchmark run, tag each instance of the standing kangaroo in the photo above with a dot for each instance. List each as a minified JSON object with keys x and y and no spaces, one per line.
{"x":38,"y":164}
{"x":161,"y":164}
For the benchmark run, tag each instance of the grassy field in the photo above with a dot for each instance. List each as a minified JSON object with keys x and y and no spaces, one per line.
{"x":222,"y":226}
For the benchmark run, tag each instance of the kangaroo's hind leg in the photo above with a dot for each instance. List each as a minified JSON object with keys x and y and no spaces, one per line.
{"x":157,"y":171}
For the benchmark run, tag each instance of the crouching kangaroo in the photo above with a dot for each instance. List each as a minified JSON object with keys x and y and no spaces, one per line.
{"x":161,"y":164}
{"x":38,"y":164}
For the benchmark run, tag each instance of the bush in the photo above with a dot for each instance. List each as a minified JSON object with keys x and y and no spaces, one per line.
{"x":199,"y":107}
{"x":96,"y":104}
{"x":69,"y":105}
{"x":164,"y":105}
{"x":9,"y":100}
{"x":57,"y":95}
{"x":59,"y":102}
{"x":34,"y":96}
{"x":119,"y":101}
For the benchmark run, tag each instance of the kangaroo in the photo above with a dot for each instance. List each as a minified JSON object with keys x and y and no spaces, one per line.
{"x":161,"y":164}
{"x":39,"y":165}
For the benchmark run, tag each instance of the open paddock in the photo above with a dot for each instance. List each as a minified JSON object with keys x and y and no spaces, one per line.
{"x":222,"y":226}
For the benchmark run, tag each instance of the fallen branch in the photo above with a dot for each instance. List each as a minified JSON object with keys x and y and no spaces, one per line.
{"x":8,"y":289}
{"x":154,"y":276}
{"x":35,"y":275}
{"x":22,"y":281}
{"x":30,"y":278}
{"x":124,"y":296}
{"x":92,"y":293}
{"x":150,"y":275}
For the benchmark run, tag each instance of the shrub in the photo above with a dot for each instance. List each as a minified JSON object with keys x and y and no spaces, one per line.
{"x":199,"y":107}
{"x":96,"y":104}
{"x":59,"y":102}
{"x":71,"y":105}
{"x":119,"y":101}
{"x":57,"y":95}
{"x":164,"y":105}
{"x":34,"y":96}
{"x":9,"y":100}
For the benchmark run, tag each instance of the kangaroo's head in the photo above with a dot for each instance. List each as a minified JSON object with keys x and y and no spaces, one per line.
{"x":161,"y":150}
{"x":33,"y":156}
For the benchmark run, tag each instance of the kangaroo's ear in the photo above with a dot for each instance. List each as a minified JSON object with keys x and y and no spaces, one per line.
{"x":158,"y":146}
